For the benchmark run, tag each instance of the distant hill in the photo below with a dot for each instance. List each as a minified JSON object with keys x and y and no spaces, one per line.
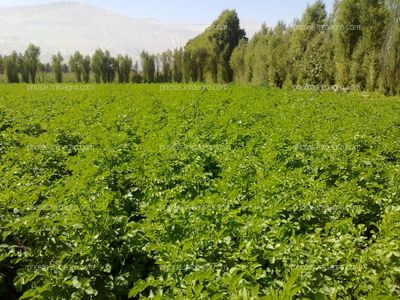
{"x":70,"y":26}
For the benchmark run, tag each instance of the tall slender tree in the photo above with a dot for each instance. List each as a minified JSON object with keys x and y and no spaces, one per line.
{"x":347,"y":17}
{"x":148,"y":67}
{"x":365,"y":59}
{"x":97,"y":61}
{"x":177,"y":65}
{"x":23,"y":68}
{"x":390,"y":53}
{"x":166,"y":66}
{"x":32,"y":61}
{"x":1,"y":64}
{"x":75,"y":65}
{"x":86,"y":67}
{"x":56,"y":63}
{"x":11,"y":67}
{"x":238,"y":63}
{"x":124,"y":68}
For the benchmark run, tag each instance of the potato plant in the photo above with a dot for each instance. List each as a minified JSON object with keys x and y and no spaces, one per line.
{"x":132,"y":191}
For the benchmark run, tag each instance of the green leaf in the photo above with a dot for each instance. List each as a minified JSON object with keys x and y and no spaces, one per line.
{"x":139,"y":287}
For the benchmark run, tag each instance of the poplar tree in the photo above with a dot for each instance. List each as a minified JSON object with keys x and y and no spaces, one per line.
{"x":31,"y":61}
{"x":56,"y":63}
{"x":11,"y":67}
{"x":75,"y":65}
{"x":86,"y":67}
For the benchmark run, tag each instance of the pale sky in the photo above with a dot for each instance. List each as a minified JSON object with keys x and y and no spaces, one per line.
{"x":196,"y":12}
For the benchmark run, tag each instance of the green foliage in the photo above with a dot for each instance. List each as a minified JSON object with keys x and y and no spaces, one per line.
{"x":86,"y":67}
{"x":124,"y":66}
{"x":244,"y":193}
{"x":177,"y":65}
{"x":11,"y":67}
{"x":357,"y":45}
{"x":148,"y":67}
{"x":365,"y":59}
{"x":104,"y":66}
{"x":237,"y":61}
{"x":390,"y":61}
{"x":23,"y":68}
{"x":166,"y":63}
{"x":31,"y":61}
{"x":76,"y":65}
{"x":56,"y":65}
{"x":1,"y":64}
{"x":346,"y":40}
{"x":210,"y":52}
{"x":136,"y":76}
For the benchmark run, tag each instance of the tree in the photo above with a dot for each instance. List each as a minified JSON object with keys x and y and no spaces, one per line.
{"x":278,"y":63}
{"x":97,"y":61}
{"x":211,"y":51}
{"x":249,"y":57}
{"x":166,"y":66}
{"x":177,"y":65}
{"x":136,"y":77}
{"x":56,"y":62}
{"x":157,"y":62}
{"x":104,"y":66}
{"x":223,"y":42}
{"x":148,"y":66}
{"x":390,"y":53}
{"x":364,"y":68}
{"x":11,"y":67}
{"x":307,"y":48}
{"x":124,"y":67}
{"x":238,"y":63}
{"x":109,"y":67}
{"x":43,"y":70}
{"x":31,"y":58}
{"x":86,"y":68}
{"x":1,"y":65}
{"x":23,"y":68}
{"x":75,"y":65}
{"x":260,"y":56}
{"x":200,"y":57}
{"x":347,"y":15}
{"x":189,"y":67}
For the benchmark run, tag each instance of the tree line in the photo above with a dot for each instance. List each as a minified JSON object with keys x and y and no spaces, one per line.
{"x":358,"y":43}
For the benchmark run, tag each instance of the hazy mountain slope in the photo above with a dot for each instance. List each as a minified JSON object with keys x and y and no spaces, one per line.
{"x":70,"y":26}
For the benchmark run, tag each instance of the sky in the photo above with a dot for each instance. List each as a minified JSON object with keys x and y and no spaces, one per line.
{"x":196,"y":12}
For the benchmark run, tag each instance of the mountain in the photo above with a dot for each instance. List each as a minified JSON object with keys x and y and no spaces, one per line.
{"x":70,"y":26}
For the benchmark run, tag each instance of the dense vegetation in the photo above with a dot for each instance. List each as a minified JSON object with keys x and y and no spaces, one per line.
{"x":208,"y":191}
{"x":358,"y":44}
{"x":238,"y":193}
